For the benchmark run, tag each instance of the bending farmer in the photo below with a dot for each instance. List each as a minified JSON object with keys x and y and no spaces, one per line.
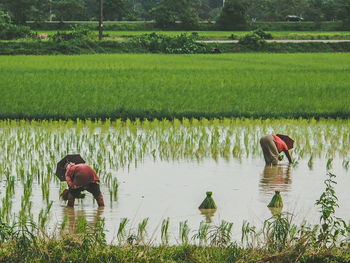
{"x":273,"y":144}
{"x":81,"y":177}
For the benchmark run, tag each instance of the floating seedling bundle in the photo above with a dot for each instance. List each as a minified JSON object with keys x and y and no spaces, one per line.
{"x":208,"y":202}
{"x":276,"y":201}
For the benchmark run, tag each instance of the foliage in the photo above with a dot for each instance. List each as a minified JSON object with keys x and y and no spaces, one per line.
{"x":233,"y":15}
{"x":181,"y":44}
{"x":331,"y":226}
{"x":19,"y":10}
{"x":78,"y":33}
{"x":277,"y":230}
{"x":11,"y":31}
{"x":5,"y":18}
{"x":187,"y":11}
{"x":68,"y":9}
{"x":169,"y":12}
{"x":252,"y":41}
{"x":263,"y":34}
{"x":344,"y":11}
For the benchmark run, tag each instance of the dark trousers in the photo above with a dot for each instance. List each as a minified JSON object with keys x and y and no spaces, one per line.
{"x":92,"y":188}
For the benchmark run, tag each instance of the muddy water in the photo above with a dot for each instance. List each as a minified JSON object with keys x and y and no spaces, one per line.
{"x":177,"y":162}
{"x":241,"y":190}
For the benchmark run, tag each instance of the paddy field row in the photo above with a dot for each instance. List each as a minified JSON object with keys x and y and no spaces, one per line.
{"x":175,"y":86}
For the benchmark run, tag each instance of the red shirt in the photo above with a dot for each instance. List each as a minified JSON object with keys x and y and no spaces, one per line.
{"x":79,"y":175}
{"x":280,"y":144}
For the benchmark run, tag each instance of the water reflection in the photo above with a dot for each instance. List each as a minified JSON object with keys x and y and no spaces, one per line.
{"x":72,"y":216}
{"x":208,"y":214}
{"x":276,"y":178}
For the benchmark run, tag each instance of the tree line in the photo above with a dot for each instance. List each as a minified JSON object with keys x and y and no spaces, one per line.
{"x":231,"y":14}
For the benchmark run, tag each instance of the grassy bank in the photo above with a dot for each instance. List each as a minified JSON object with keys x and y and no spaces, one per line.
{"x":168,"y":86}
{"x":221,"y":35}
{"x":34,"y":47}
{"x":77,"y":250}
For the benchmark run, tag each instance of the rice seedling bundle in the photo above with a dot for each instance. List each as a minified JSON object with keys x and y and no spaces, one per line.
{"x":276,"y":201}
{"x":208,"y":202}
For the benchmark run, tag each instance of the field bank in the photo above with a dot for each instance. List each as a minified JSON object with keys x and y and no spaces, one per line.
{"x":168,"y":86}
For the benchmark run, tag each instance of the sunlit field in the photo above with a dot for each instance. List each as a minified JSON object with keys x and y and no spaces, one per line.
{"x":168,"y":86}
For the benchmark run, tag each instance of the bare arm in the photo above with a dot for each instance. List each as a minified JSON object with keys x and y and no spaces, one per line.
{"x":286,"y":152}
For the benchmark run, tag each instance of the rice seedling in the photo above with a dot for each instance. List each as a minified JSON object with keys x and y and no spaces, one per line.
{"x":121,"y":235}
{"x":249,"y":235}
{"x":202,"y":234}
{"x":165,"y":231}
{"x":310,"y":163}
{"x":64,"y":223}
{"x":345,"y":164}
{"x":184,"y":231}
{"x":329,"y":163}
{"x":141,"y":230}
{"x":220,"y":236}
{"x":277,"y":231}
{"x":82,"y":225}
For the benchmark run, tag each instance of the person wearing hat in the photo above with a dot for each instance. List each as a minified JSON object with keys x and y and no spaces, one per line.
{"x":81,"y":177}
{"x":273,"y":144}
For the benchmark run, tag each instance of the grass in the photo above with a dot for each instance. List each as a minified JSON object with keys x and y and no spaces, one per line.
{"x":168,"y":86}
{"x":279,"y":241}
{"x":223,"y":35}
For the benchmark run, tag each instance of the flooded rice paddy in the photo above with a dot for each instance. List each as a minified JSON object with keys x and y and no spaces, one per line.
{"x":162,"y":169}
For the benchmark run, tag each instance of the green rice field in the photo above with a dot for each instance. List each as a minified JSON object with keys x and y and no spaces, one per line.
{"x":168,"y":86}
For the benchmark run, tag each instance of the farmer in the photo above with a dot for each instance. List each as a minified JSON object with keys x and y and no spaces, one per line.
{"x":273,"y":144}
{"x":81,"y":177}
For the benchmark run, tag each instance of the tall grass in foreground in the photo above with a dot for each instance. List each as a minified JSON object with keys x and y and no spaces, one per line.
{"x":167,"y":86}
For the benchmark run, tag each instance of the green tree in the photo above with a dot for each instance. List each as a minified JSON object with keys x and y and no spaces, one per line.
{"x":202,"y":9}
{"x":168,"y":12}
{"x":5,"y":18}
{"x":233,"y":15}
{"x":69,"y":10}
{"x":114,"y":9}
{"x":343,"y":13}
{"x":20,"y":10}
{"x":215,"y":3}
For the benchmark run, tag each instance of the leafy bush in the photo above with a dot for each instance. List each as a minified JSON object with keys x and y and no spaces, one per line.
{"x":4,"y":17}
{"x":252,"y":41}
{"x":233,"y":37}
{"x":11,"y":31}
{"x":77,"y":33}
{"x":263,"y":34}
{"x":156,"y":43}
